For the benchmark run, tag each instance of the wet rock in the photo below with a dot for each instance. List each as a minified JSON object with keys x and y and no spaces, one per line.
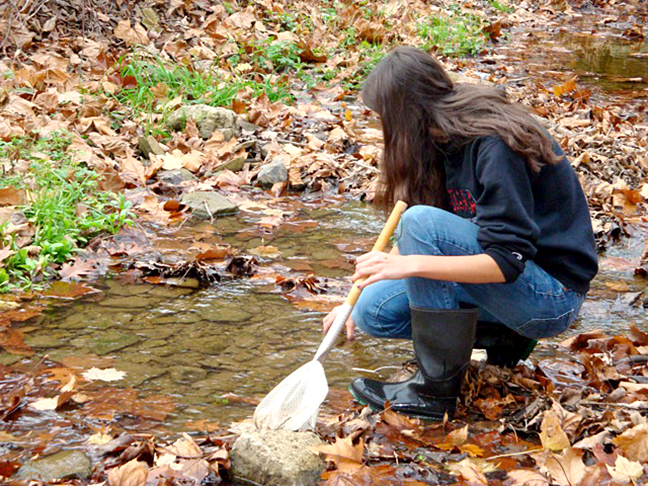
{"x":208,"y":204}
{"x":7,"y":359}
{"x":222,"y":362}
{"x":132,"y":302}
{"x":187,"y":374}
{"x":62,"y":465}
{"x":169,"y":292}
{"x":207,"y":118}
{"x":216,"y":382}
{"x":95,"y":320}
{"x":176,"y":176}
{"x":220,"y":313}
{"x":208,"y":344}
{"x":272,"y":172}
{"x":153,"y":343}
{"x":138,"y":373}
{"x":186,"y":317}
{"x":277,"y":457}
{"x":111,"y":340}
{"x":43,"y":341}
{"x":117,"y":288}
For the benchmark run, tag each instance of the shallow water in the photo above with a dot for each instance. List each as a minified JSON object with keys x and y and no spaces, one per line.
{"x":601,"y":55}
{"x":244,"y":336}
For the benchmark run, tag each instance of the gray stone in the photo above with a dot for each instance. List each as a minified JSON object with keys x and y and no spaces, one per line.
{"x":70,"y":464}
{"x":148,"y":145}
{"x":8,"y":359}
{"x":186,"y":317}
{"x":272,"y":172}
{"x":176,"y":176}
{"x":187,"y":374}
{"x":207,"y":118}
{"x":44,"y":341}
{"x":207,"y":204}
{"x":169,"y":292}
{"x":138,"y":373}
{"x":277,"y":457}
{"x":247,"y":126}
{"x":206,"y":344}
{"x":236,"y":164}
{"x":219,"y":311}
{"x":133,"y":302}
{"x":111,"y":340}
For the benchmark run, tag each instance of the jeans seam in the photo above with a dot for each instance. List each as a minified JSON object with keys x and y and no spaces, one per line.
{"x":380,"y":306}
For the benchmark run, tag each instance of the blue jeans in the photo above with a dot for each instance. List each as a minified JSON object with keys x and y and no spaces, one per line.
{"x":536,"y":305}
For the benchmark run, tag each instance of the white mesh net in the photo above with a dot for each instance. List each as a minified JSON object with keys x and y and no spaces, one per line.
{"x":294,"y":403}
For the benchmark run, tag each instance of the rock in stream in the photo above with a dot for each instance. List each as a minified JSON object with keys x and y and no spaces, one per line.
{"x":277,"y":458}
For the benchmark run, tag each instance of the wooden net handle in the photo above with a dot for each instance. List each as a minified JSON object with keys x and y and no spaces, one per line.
{"x":380,"y":245}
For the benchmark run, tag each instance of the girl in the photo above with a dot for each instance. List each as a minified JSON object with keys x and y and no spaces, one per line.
{"x":498,"y":230}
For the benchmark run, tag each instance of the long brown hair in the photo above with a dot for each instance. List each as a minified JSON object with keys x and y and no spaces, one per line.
{"x":422,"y":110}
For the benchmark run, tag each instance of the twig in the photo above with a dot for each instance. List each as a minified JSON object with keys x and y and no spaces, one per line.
{"x":211,"y":216}
{"x":376,"y":370}
{"x":35,"y":12}
{"x":12,"y":7}
{"x":511,"y":454}
{"x":366,"y":166}
{"x":610,"y":404}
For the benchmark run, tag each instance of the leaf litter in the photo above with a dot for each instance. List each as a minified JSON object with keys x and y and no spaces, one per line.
{"x":576,"y":420}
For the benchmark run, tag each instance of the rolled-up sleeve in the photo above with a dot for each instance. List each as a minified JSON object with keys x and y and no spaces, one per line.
{"x":507,"y":230}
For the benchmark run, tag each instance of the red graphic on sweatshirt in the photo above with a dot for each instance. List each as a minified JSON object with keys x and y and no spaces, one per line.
{"x":462,"y":203}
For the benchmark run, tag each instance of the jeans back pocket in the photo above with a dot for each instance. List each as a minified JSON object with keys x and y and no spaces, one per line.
{"x":544,"y":328}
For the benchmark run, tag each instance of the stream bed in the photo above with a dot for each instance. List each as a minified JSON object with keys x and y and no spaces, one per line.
{"x":206,"y":355}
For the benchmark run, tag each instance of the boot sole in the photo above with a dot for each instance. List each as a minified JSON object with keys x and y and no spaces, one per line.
{"x":366,"y":403}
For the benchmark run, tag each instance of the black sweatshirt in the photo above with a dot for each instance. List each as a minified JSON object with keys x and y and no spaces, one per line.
{"x":523,"y":215}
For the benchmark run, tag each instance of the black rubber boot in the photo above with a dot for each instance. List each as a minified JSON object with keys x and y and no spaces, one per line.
{"x":443,"y":342}
{"x":504,"y":347}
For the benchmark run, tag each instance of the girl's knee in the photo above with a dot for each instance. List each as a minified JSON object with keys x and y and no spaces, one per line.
{"x":419,"y":224}
{"x":363,"y":319}
{"x":382,"y":309}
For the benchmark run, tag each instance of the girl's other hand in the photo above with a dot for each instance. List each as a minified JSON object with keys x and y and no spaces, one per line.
{"x":328,"y":321}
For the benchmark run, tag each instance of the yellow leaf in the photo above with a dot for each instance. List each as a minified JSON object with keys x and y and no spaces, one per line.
{"x":566,"y":469}
{"x":634,"y":443}
{"x":625,"y":471}
{"x":266,"y":251}
{"x":552,"y":436}
{"x":133,"y":473}
{"x":132,"y":36}
{"x":527,"y":477}
{"x":458,"y":437}
{"x":343,"y":453}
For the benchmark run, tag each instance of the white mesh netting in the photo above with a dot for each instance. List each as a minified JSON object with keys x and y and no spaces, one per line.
{"x":294,"y":403}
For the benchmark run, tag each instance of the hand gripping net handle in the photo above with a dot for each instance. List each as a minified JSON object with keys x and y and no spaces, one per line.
{"x":345,"y":310}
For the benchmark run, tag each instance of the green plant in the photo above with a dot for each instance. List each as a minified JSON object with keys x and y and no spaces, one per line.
{"x":502,"y":7}
{"x":64,"y":208}
{"x":156,"y":82}
{"x":370,"y":56}
{"x":283,"y":56}
{"x":457,"y":34}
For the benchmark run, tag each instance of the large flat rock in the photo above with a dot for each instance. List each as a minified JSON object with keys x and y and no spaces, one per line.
{"x":68,"y":464}
{"x":277,"y":458}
